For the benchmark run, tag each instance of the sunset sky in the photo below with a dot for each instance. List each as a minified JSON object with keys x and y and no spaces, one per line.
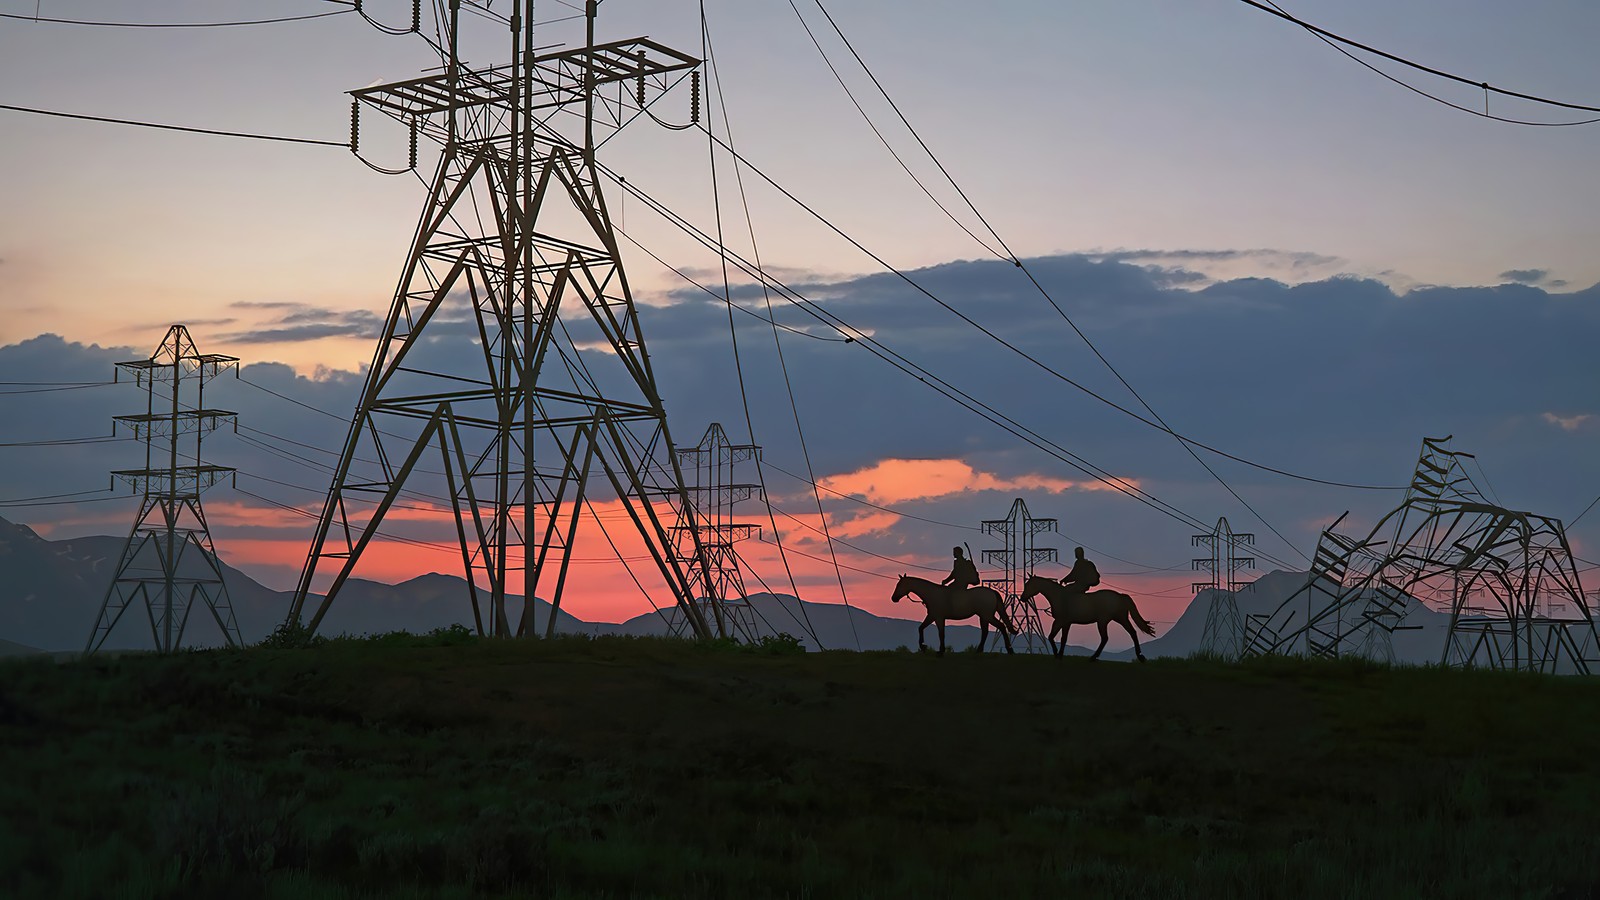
{"x":1289,"y":257}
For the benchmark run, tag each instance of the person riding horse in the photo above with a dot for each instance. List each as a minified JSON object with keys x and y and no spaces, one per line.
{"x":1083,"y":576}
{"x":963,"y":573}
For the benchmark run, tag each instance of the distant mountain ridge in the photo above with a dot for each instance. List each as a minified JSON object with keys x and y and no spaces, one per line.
{"x":51,"y":591}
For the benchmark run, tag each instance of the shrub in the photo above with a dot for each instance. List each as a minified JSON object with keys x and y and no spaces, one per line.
{"x":292,"y":635}
{"x":780,"y":644}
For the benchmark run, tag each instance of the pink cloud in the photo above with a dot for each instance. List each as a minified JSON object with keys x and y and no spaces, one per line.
{"x":900,"y":480}
{"x":1567,"y":423}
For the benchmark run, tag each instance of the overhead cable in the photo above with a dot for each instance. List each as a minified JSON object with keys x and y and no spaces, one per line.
{"x":917,"y":286}
{"x":805,"y":453}
{"x":27,"y":18}
{"x":165,"y":127}
{"x":1009,"y":254}
{"x":1330,"y":37}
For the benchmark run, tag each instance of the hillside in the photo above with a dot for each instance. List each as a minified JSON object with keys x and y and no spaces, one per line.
{"x":614,"y":767}
{"x":51,"y":591}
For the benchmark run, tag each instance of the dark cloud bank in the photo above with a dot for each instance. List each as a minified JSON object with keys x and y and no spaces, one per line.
{"x":1339,"y":378}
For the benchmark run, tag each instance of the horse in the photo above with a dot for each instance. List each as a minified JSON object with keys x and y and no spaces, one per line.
{"x":945,"y":602}
{"x":1068,"y":609}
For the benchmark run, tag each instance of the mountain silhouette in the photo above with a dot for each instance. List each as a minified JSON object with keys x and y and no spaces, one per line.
{"x":51,"y":591}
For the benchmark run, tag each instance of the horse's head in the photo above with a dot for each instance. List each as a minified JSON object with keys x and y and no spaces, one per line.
{"x":1033,"y":586}
{"x":901,"y":588}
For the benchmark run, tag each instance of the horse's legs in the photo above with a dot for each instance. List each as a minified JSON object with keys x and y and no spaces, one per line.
{"x":1006,"y":635}
{"x":921,"y":644}
{"x":1065,"y":627}
{"x":941,"y":636}
{"x":983,"y":632}
{"x":1102,"y":646}
{"x":1137,"y":650}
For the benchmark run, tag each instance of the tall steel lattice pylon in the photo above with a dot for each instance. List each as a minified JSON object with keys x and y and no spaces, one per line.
{"x":1017,"y":559}
{"x":1224,"y":630}
{"x":478,"y":372}
{"x":169,"y":564}
{"x":714,"y":489}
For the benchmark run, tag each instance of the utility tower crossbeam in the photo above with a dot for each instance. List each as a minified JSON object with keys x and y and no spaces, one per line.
{"x":512,"y":367}
{"x":168,"y":563}
{"x":1017,"y":559}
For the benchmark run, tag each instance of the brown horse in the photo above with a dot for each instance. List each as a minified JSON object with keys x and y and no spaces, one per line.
{"x":1068,"y":608}
{"x":944,"y":602}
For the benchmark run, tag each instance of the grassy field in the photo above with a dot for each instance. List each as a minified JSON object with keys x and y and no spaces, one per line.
{"x":448,"y":767}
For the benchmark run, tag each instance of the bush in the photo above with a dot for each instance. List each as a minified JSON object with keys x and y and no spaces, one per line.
{"x":292,"y":635}
{"x":780,"y":644}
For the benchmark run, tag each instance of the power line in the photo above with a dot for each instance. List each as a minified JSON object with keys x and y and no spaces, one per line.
{"x":1010,"y":255}
{"x":56,"y":383}
{"x":1333,"y":40}
{"x":164,"y":127}
{"x":917,"y":286}
{"x":1584,"y":513}
{"x":877,"y":348}
{"x":881,"y":139}
{"x":67,"y":442}
{"x":26,"y":18}
{"x":63,"y":386}
{"x":805,"y":453}
{"x":34,"y":501}
{"x":749,"y":312}
{"x":800,"y":478}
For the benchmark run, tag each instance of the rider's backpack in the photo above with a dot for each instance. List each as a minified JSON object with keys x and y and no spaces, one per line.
{"x":967,"y":571}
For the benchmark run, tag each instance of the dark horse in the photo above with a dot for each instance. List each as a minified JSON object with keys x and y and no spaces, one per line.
{"x":944,"y":602}
{"x":1068,"y":609}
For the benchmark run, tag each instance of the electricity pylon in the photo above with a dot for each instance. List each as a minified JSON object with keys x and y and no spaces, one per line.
{"x":1500,"y":573}
{"x":515,"y":267}
{"x":168,"y":562}
{"x":1224,"y":629}
{"x":1017,"y":559}
{"x":718,"y":586}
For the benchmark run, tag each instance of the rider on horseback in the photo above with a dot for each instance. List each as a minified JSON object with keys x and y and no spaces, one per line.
{"x":1083,"y":575}
{"x":963,"y":573}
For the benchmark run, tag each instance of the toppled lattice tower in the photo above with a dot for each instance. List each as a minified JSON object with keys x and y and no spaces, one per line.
{"x":1507,"y":580}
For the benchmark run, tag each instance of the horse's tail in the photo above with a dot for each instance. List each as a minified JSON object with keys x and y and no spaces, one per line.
{"x":1133,"y":610}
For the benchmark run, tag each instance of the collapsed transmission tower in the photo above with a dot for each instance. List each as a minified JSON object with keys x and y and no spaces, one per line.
{"x":511,"y":367}
{"x":718,"y":586}
{"x":1017,"y":559}
{"x":1224,"y":630}
{"x":1501,"y":576}
{"x":168,"y":563}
